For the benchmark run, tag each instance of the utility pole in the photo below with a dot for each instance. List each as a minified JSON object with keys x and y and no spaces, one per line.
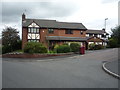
{"x":105,"y":22}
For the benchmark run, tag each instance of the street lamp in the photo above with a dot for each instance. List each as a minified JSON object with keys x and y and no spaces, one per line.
{"x":105,"y":22}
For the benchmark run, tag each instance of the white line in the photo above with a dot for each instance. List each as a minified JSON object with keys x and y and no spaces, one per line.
{"x":110,"y":71}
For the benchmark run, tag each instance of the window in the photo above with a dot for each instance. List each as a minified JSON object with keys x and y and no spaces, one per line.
{"x":69,"y":31}
{"x":33,"y":30}
{"x":51,"y":31}
{"x":90,"y":35}
{"x":33,"y":34}
{"x":103,"y":36}
{"x":95,"y":35}
{"x":81,"y":32}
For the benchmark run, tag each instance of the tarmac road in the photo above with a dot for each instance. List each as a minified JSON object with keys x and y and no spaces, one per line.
{"x":75,"y":71}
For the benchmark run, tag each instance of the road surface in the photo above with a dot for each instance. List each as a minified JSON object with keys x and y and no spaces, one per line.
{"x":74,"y":71}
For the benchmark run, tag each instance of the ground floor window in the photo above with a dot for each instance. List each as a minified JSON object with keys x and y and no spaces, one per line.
{"x":33,"y":40}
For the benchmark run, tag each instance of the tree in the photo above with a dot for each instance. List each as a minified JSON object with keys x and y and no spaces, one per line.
{"x":114,"y":41}
{"x":10,"y":38}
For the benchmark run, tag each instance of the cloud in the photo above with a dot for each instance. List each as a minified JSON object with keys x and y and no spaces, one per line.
{"x":109,"y":1}
{"x":12,"y":10}
{"x":89,"y":12}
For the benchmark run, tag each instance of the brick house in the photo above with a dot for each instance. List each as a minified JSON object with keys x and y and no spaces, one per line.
{"x":97,"y":37}
{"x":51,"y":32}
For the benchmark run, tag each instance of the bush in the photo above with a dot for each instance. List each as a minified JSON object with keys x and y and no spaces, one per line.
{"x":63,"y":49}
{"x":95,"y":47}
{"x":74,"y":47}
{"x":98,"y":47}
{"x":34,"y":47}
{"x":112,"y":43}
{"x":91,"y":46}
{"x":6,"y":49}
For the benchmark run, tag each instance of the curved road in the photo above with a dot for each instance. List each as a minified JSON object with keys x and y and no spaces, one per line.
{"x":75,"y":71}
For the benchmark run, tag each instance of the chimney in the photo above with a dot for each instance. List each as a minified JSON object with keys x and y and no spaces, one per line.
{"x":103,"y":29}
{"x":23,"y":17}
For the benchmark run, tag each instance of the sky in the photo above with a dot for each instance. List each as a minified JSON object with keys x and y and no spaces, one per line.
{"x":91,"y":13}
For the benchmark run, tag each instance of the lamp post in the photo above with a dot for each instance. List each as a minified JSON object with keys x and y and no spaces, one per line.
{"x":105,"y":22}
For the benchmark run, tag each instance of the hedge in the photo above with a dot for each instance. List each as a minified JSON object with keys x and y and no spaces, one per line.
{"x":74,"y":47}
{"x":63,"y":49}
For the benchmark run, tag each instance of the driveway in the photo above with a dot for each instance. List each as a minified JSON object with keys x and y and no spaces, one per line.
{"x":75,"y":71}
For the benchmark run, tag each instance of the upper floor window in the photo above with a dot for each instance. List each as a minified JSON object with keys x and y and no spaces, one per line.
{"x":51,"y":31}
{"x":69,"y":31}
{"x":81,"y":32}
{"x":33,"y":30}
{"x":90,"y":35}
{"x":95,"y":35}
{"x":103,"y":36}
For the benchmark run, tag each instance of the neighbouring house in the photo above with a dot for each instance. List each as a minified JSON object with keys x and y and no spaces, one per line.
{"x":51,"y":32}
{"x":97,"y":37}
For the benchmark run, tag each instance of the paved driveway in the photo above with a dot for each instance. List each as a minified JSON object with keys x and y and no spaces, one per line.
{"x":75,"y":71}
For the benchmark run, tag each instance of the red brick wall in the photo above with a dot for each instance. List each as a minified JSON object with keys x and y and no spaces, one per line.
{"x":44,"y":33}
{"x":61,"y":32}
{"x":24,"y":36}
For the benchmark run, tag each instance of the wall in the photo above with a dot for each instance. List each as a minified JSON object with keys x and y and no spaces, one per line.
{"x":24,"y":36}
{"x":61,"y":32}
{"x":57,"y":32}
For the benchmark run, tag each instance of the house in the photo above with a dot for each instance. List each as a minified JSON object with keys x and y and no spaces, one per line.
{"x":51,"y":32}
{"x":97,"y":37}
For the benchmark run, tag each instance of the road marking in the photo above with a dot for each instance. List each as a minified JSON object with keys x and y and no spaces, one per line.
{"x":107,"y":70}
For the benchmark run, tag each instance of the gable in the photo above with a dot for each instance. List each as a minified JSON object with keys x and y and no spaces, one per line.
{"x":96,"y":39}
{"x":33,"y":24}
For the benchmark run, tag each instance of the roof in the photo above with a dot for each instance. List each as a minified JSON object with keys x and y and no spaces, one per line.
{"x":44,"y":23}
{"x":71,"y":38}
{"x":66,"y":38}
{"x":96,"y":32}
{"x":88,"y":38}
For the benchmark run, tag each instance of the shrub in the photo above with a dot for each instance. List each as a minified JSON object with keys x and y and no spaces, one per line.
{"x":55,"y":47}
{"x":34,"y":47}
{"x":95,"y":47}
{"x":6,"y":49}
{"x":99,"y":46}
{"x":91,"y":46}
{"x":74,"y":47}
{"x":51,"y":52}
{"x":65,"y":43}
{"x":63,"y":49}
{"x":112,"y":43}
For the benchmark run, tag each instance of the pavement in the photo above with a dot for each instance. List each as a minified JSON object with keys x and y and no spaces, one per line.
{"x":73,"y":71}
{"x":112,"y":68}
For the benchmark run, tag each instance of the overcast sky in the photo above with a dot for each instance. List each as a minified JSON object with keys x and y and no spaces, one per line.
{"x":91,"y":13}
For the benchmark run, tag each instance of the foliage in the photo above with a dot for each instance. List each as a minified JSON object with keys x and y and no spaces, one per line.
{"x":91,"y":46}
{"x":6,"y":49}
{"x":51,"y":52}
{"x":10,"y":36}
{"x":114,"y":41}
{"x":95,"y":47}
{"x":63,"y":49}
{"x":74,"y":47}
{"x":10,"y":40}
{"x":55,"y":47}
{"x":65,"y":43}
{"x":34,"y":47}
{"x":98,"y":47}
